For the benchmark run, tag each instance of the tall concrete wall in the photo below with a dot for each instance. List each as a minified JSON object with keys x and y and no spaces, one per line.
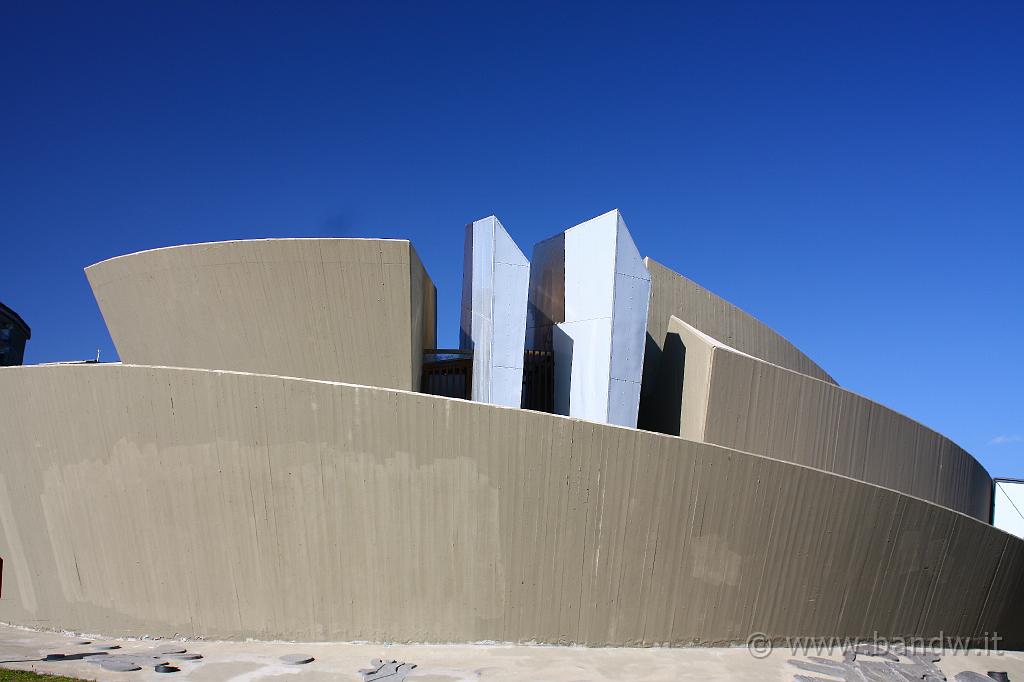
{"x":738,"y":401}
{"x":356,"y":310}
{"x":673,"y":294}
{"x":138,"y":500}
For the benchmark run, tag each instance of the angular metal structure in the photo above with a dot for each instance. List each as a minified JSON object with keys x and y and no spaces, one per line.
{"x":589,"y":292}
{"x":495,"y":281}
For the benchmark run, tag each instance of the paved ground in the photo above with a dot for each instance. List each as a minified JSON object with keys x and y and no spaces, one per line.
{"x":252,"y":661}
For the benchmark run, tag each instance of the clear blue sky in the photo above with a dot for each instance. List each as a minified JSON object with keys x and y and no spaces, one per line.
{"x":850,"y":173}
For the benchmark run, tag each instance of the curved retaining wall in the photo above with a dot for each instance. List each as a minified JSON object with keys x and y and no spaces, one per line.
{"x":355,"y":310}
{"x":738,"y":401}
{"x":675,"y":295}
{"x":139,"y":500}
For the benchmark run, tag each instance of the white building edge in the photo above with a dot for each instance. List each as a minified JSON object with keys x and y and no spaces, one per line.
{"x":1008,"y":505}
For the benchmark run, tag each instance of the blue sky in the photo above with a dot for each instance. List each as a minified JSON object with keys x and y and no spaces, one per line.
{"x":850,"y":173}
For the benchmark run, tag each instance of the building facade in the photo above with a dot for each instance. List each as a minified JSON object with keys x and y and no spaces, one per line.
{"x":263,"y":464}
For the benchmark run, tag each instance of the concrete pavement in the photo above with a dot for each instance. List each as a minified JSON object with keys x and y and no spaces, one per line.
{"x":252,"y":661}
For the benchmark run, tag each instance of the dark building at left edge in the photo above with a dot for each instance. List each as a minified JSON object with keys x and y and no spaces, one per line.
{"x":13,"y":335}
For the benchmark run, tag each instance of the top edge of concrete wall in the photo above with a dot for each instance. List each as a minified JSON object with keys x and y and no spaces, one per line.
{"x":726,"y":347}
{"x":735,"y":400}
{"x":788,"y":356}
{"x":248,"y":241}
{"x":673,"y":295}
{"x":624,"y":430}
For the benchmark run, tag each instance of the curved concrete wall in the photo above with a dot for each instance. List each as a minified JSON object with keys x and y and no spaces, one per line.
{"x":738,"y":401}
{"x":192,"y":502}
{"x":674,"y":295}
{"x":355,"y":310}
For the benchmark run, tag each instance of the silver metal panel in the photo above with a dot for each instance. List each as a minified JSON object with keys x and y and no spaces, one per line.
{"x":588,"y":303}
{"x":495,"y":282}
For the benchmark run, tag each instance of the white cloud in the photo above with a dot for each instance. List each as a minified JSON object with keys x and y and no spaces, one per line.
{"x":1003,"y":440}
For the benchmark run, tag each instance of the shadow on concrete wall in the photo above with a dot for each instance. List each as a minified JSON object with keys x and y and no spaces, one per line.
{"x":661,"y":401}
